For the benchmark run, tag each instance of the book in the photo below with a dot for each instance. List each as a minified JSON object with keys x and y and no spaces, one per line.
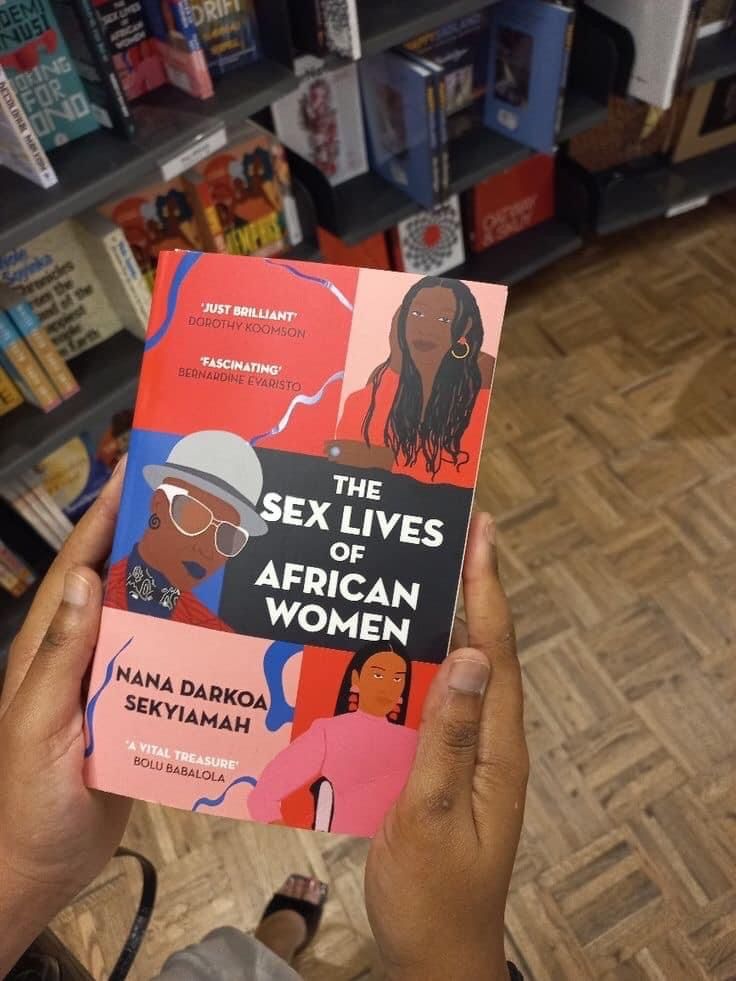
{"x":115,"y":266}
{"x":371,"y":253}
{"x":171,"y":23}
{"x":429,"y":242}
{"x":401,"y":124}
{"x":44,"y":505}
{"x":659,"y":33}
{"x":10,"y":396}
{"x":242,"y":191}
{"x":460,"y":48}
{"x":54,"y":274}
{"x":322,"y":120}
{"x":155,"y":218}
{"x":307,"y":27}
{"x":15,"y":575}
{"x":135,"y":55}
{"x":510,"y":202}
{"x":29,"y":506}
{"x":18,"y":361}
{"x":228,"y":32}
{"x":20,"y":149}
{"x":86,"y":38}
{"x":29,"y":328}
{"x":527,"y":72}
{"x":274,"y":581}
{"x":437,"y":115}
{"x":710,"y":120}
{"x":36,"y":61}
{"x":341,"y":29}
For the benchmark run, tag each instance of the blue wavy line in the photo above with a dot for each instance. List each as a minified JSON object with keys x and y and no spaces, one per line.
{"x":216,"y":801}
{"x":319,"y":280}
{"x":185,"y":264}
{"x":92,"y":704}
{"x":298,"y":400}
{"x":278,"y":654}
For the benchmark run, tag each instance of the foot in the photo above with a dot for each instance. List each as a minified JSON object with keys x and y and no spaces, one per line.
{"x":285,"y":931}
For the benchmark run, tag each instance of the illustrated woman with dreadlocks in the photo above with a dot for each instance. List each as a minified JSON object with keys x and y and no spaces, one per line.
{"x":423,"y":410}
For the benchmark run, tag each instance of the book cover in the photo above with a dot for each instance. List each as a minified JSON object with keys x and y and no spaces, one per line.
{"x":340,"y":24}
{"x":245,"y":187}
{"x":228,"y":32}
{"x":710,"y":121}
{"x":430,"y":242}
{"x":10,"y":396}
{"x":20,"y":149}
{"x":25,"y":503}
{"x":659,"y":31}
{"x":53,"y":273}
{"x":29,"y":327}
{"x":172,"y":24}
{"x":510,"y":202}
{"x":135,"y":55}
{"x":460,"y":47}
{"x":322,"y":120}
{"x":86,"y":38}
{"x":156,"y":218}
{"x":273,"y":612}
{"x":371,"y":253}
{"x":401,"y":124}
{"x":527,"y":69}
{"x":437,"y":115}
{"x":36,"y":60}
{"x":44,"y":504}
{"x":20,"y":363}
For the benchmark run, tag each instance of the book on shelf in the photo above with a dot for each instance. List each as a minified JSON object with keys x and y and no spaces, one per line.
{"x":172,"y":24}
{"x":307,"y":27}
{"x":659,"y":31}
{"x":10,"y":396}
{"x":37,"y":62}
{"x":115,"y":266}
{"x":244,"y":192}
{"x":53,"y":273}
{"x":460,"y":47}
{"x":401,"y":124}
{"x":437,"y":116}
{"x":134,"y":51}
{"x":19,"y":362}
{"x":322,"y":119}
{"x":371,"y":252}
{"x":429,"y":242}
{"x":341,"y":28}
{"x":30,"y":329}
{"x":530,"y":42}
{"x":20,"y":148}
{"x":508,"y":203}
{"x":710,"y":120}
{"x":15,"y":574}
{"x":92,"y":56}
{"x":228,"y":32}
{"x":326,"y":512}
{"x":28,"y":501}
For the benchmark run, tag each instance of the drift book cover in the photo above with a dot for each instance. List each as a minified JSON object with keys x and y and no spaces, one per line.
{"x":299,"y":482}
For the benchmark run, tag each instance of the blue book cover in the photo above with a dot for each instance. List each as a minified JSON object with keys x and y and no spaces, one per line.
{"x":398,"y":99}
{"x":529,"y":52}
{"x":228,"y":33}
{"x":36,"y":59}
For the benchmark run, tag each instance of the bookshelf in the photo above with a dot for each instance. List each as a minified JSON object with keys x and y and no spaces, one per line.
{"x":715,"y":57}
{"x":522,"y":255}
{"x":384,"y":23}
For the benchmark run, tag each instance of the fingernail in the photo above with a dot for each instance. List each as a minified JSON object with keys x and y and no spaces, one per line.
{"x":120,"y":465}
{"x":76,"y":589}
{"x":469,"y":676}
{"x":490,"y":529}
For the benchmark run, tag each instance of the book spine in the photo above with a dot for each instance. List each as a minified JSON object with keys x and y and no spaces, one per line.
{"x":21,"y":501}
{"x":208,"y":220}
{"x":10,"y":397}
{"x":16,"y":565}
{"x":432,"y":102}
{"x":569,"y":31}
{"x":46,"y":505}
{"x":130,"y":276}
{"x":38,"y":167}
{"x":24,"y":366}
{"x":100,"y":51}
{"x":29,"y":327}
{"x":444,"y":144}
{"x":9,"y":581}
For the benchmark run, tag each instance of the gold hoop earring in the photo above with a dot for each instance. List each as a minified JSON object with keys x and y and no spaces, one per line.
{"x":461,"y":357}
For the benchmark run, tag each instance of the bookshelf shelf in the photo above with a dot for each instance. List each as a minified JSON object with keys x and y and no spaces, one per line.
{"x":100,"y":165}
{"x":582,"y":112}
{"x":384,"y":23}
{"x":107,"y":375}
{"x":521,"y":256}
{"x":715,"y":57}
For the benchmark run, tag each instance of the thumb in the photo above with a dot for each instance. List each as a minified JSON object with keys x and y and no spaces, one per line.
{"x":51,"y":692}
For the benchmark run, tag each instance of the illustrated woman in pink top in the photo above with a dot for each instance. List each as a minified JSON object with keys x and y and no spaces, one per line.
{"x":357,"y":762}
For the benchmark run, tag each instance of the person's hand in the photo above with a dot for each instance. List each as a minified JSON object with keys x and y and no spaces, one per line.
{"x":55,"y":834}
{"x":438,"y":872}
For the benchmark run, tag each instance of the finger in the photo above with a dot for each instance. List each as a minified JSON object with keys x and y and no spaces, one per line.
{"x":50,"y":695}
{"x":440,"y":785}
{"x":88,"y":545}
{"x":459,"y":637}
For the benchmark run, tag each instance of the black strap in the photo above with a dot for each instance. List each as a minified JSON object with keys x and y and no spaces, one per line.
{"x":142,"y":916}
{"x":514,"y":972}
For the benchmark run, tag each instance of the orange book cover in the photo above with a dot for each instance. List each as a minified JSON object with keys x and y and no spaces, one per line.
{"x":371,"y":253}
{"x":291,"y":533}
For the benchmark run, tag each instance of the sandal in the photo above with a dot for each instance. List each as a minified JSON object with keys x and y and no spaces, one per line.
{"x":310,"y":912}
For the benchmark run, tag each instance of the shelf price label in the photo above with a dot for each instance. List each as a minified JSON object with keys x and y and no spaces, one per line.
{"x":202,"y":147}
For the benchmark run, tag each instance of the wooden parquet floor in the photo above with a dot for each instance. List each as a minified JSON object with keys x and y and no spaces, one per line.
{"x":611,"y":468}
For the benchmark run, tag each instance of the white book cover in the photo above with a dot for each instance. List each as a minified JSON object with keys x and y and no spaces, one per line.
{"x":659,"y":28}
{"x":342,"y":30}
{"x":20,"y":149}
{"x":431,"y":242}
{"x":322,"y":120}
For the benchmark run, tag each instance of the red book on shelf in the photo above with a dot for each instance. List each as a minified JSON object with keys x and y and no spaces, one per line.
{"x":372,"y":253}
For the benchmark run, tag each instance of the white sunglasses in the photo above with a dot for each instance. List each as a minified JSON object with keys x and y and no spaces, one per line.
{"x":191,"y":517}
